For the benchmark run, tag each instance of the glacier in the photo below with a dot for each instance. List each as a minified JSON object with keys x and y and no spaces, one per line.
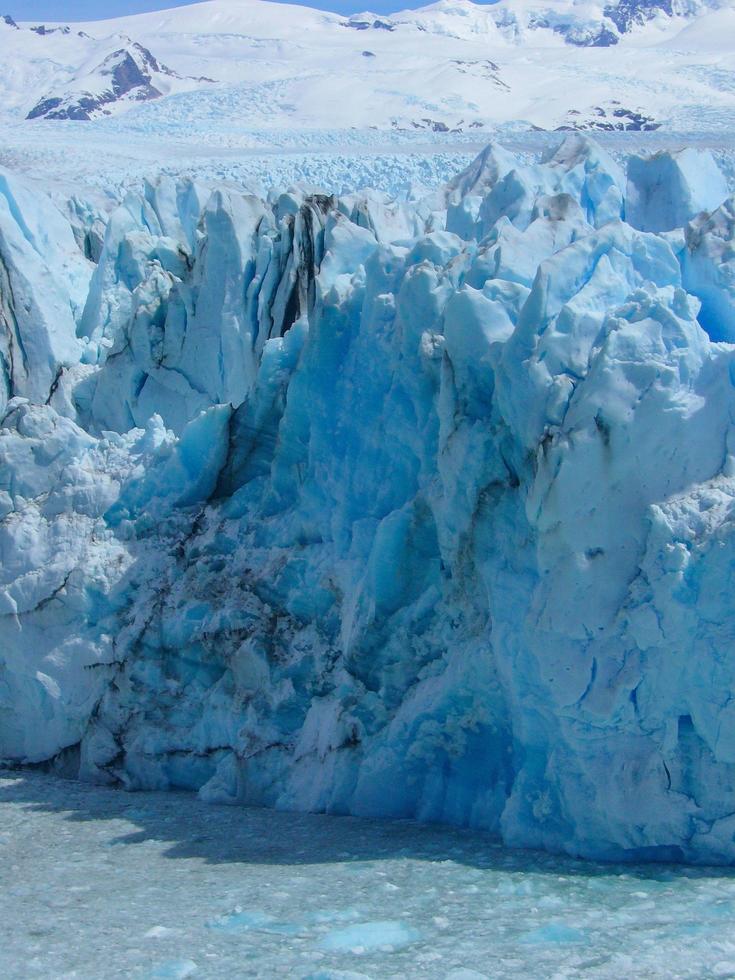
{"x":398,"y":508}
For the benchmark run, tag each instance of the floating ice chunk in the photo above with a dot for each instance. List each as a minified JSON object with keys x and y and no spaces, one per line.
{"x":336,"y":975}
{"x":241,"y":920}
{"x":365,"y":936}
{"x":465,"y":974}
{"x":555,"y":933}
{"x":174,"y":970}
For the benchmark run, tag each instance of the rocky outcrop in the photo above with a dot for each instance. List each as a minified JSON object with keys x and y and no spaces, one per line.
{"x":130,"y":74}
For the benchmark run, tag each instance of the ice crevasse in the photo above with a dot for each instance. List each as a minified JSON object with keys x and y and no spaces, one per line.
{"x":395,"y":508}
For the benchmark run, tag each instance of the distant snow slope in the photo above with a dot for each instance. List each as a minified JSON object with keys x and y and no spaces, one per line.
{"x":451,"y":66}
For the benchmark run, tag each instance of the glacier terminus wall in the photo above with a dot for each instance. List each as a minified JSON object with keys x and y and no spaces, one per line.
{"x":416,"y":508}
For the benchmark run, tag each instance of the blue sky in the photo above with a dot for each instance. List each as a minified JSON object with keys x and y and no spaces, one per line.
{"x":96,"y":9}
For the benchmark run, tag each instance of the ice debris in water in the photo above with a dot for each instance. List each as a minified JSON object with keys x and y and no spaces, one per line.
{"x":370,"y":935}
{"x":174,"y":970}
{"x":239,"y":920}
{"x":389,"y":508}
{"x":478,"y":910}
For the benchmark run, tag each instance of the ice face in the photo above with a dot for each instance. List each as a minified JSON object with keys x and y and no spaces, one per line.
{"x":391,"y":509}
{"x":667,"y":190}
{"x":708,"y":268}
{"x":43,"y":278}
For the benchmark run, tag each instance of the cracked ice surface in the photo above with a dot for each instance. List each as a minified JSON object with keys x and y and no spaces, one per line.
{"x":401,"y":508}
{"x":96,"y":882}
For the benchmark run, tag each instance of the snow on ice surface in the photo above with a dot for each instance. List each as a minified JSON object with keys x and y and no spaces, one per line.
{"x":101,"y":883}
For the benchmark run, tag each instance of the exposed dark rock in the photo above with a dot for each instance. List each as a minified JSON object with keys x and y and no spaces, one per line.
{"x":131,"y":74}
{"x":52,"y":109}
{"x":436,"y":126}
{"x":481,"y":69}
{"x":487,"y":65}
{"x":367,"y":25}
{"x":610,"y":118}
{"x":618,"y":19}
{"x":627,"y":14}
{"x":593,"y":36}
{"x":604,"y":38}
{"x":43,"y":30}
{"x":7,"y":19}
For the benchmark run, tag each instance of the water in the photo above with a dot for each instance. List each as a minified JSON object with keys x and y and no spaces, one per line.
{"x":97,"y":883}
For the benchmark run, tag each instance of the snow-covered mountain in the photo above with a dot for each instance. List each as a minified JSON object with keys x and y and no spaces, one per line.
{"x":450,"y":66}
{"x":130,"y":74}
{"x":403,"y":508}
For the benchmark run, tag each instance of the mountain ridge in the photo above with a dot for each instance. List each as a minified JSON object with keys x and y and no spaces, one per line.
{"x":555,"y":64}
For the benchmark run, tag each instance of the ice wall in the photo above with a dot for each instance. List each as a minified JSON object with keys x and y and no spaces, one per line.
{"x":409,"y":509}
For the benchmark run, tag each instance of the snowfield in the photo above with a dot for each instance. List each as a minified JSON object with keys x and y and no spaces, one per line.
{"x":452,"y":66}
